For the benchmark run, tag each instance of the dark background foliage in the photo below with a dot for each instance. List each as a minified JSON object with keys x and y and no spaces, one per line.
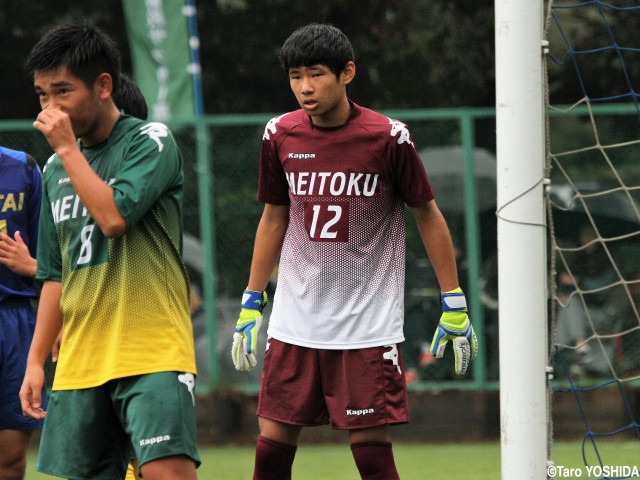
{"x":409,"y":53}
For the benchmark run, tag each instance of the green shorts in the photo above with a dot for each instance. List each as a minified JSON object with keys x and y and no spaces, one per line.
{"x":93,"y":432}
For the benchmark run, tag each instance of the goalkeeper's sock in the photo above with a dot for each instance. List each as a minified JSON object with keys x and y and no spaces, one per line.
{"x":274,"y":460}
{"x":375,"y":460}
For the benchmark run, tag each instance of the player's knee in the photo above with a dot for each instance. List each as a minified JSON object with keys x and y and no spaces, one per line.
{"x":279,"y":432}
{"x":13,"y":468}
{"x":179,"y":467}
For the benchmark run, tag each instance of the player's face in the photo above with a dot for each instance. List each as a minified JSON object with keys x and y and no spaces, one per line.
{"x":321,"y":94}
{"x":61,"y":90}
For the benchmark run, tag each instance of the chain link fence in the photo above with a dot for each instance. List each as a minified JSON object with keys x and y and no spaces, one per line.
{"x":221,"y":159}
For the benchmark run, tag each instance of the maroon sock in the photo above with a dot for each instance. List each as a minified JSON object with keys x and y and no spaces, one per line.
{"x":375,"y":461}
{"x":273,"y":460}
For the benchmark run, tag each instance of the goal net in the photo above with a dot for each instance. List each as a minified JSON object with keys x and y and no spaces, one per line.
{"x":593,"y":212}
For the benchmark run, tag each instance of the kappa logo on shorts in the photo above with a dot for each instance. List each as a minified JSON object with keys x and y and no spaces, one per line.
{"x":392,"y":355}
{"x":189,"y":380}
{"x":361,"y":411}
{"x":154,"y":440}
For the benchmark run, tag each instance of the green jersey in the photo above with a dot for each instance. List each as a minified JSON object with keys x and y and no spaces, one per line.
{"x":124,"y":300}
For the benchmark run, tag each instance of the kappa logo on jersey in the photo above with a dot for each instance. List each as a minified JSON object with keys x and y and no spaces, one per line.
{"x":399,"y":127}
{"x":302,"y":155}
{"x":156,"y":131}
{"x":270,"y":129}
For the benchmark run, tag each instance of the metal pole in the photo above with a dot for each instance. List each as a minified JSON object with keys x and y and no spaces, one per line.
{"x":474,"y":254}
{"x":205,"y":193}
{"x":521,"y":238}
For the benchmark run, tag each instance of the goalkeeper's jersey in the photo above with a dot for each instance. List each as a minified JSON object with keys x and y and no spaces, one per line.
{"x":341,"y":273}
{"x":124,"y":300}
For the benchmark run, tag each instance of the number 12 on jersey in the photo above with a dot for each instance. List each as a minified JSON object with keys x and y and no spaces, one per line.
{"x":327,"y":222}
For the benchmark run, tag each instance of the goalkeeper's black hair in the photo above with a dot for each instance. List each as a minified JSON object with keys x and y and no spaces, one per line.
{"x":315,"y":44}
{"x":86,"y":51}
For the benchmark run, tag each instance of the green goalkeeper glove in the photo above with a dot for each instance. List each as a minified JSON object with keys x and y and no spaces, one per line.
{"x":245,"y":337}
{"x":455,"y":326}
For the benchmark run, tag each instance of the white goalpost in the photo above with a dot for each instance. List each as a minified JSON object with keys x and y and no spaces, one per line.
{"x":522,"y":260}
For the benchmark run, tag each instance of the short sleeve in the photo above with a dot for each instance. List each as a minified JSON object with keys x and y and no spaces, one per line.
{"x":49,"y":265}
{"x":272,"y":182}
{"x":151,"y":166}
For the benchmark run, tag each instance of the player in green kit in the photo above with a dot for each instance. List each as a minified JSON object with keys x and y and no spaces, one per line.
{"x":109,"y":254}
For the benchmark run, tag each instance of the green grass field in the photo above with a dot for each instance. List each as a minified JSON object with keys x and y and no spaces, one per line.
{"x":479,"y":461}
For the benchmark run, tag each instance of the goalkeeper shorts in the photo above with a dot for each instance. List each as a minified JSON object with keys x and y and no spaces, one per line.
{"x":94,"y":432}
{"x":350,"y":389}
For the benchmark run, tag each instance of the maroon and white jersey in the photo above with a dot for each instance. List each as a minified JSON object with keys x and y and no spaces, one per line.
{"x":341,"y":274}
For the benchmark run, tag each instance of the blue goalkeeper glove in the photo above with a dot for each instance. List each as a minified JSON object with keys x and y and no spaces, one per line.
{"x":245,"y":337}
{"x":455,"y":326}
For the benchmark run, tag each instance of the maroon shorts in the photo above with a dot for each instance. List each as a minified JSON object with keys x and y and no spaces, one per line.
{"x":348,"y":388}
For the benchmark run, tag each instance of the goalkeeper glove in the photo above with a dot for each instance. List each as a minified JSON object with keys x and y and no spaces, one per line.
{"x":455,"y":326}
{"x":245,"y":337}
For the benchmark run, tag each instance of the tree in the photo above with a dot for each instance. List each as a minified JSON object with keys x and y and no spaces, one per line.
{"x":409,"y":53}
{"x":23,"y":23}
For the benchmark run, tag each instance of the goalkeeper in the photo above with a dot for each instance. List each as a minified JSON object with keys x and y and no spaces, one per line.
{"x":335,"y":178}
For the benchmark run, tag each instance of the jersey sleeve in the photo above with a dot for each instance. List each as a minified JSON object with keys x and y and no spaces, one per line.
{"x":49,"y":265}
{"x":410,"y":178}
{"x":152,"y":166}
{"x":272,"y":182}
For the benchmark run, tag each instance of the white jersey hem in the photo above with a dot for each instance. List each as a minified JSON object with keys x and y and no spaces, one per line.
{"x":337,"y":346}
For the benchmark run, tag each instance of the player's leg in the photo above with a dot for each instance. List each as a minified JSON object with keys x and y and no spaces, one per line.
{"x":368,"y":393}
{"x":373,"y":453}
{"x":17,"y":322}
{"x":275,"y":450}
{"x":158,"y":413}
{"x":278,"y":431}
{"x":169,"y":468}
{"x":13,"y":454}
{"x":82,"y":437}
{"x":290,"y":398}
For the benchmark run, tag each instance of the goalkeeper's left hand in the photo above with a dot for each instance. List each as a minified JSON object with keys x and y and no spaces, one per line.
{"x":245,"y":338}
{"x":455,"y":326}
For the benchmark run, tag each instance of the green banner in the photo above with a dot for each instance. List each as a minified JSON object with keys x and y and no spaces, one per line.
{"x":159,"y":44}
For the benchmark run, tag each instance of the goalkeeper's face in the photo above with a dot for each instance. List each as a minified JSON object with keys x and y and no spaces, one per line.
{"x":59,"y":89}
{"x":321,"y":93}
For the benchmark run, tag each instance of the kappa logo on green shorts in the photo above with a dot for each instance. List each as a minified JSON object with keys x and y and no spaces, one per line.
{"x":189,"y":380}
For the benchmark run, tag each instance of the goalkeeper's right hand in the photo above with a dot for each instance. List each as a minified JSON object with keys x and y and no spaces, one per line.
{"x":245,"y":337}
